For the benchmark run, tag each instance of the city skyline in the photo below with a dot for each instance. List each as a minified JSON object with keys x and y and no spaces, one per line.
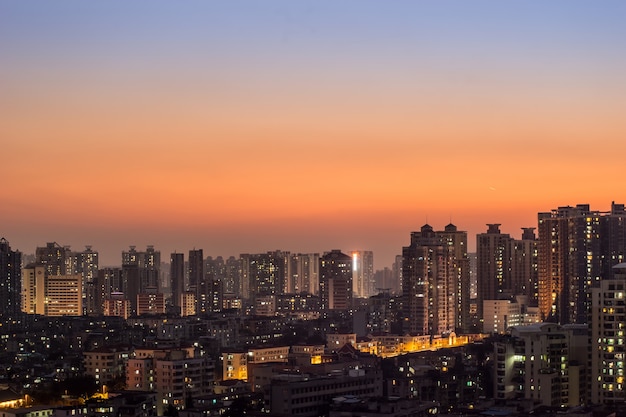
{"x":305,"y":126}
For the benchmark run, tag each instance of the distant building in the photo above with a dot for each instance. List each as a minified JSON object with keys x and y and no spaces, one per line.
{"x":362,"y":273}
{"x":10,"y":282}
{"x":140,"y":272}
{"x":177,"y":279}
{"x":197,"y":280}
{"x":304,"y":273}
{"x":264,"y":274}
{"x":335,"y":281}
{"x":187,"y":304}
{"x":108,"y":282}
{"x":117,"y":305}
{"x":51,"y":295}
{"x":150,"y":303}
{"x":85,"y":263}
{"x":53,"y":257}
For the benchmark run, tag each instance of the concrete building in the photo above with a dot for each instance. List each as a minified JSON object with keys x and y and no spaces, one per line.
{"x":435,"y":285}
{"x":309,"y":396}
{"x":51,"y":295}
{"x":107,"y":363}
{"x":150,"y":303}
{"x":174,"y":374}
{"x":117,"y":305}
{"x":499,"y":315}
{"x":543,"y":362}
{"x":607,"y":322}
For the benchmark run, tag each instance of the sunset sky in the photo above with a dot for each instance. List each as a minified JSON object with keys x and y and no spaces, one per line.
{"x":249,"y":126}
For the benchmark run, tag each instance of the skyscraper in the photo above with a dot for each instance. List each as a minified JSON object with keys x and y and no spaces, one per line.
{"x":335,"y":281}
{"x":10,"y":282}
{"x":435,"y":281}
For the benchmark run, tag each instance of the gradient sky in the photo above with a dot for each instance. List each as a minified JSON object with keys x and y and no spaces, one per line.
{"x":248,"y":126}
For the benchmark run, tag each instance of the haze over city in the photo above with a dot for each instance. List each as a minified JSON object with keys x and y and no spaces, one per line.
{"x":303,"y":126}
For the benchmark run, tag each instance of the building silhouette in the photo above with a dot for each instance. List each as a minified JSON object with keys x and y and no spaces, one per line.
{"x":177,"y":279}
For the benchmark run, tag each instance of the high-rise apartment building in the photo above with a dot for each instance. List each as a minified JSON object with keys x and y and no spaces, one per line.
{"x":197,"y":281}
{"x":140,"y":272}
{"x":524,"y":265}
{"x":576,"y":249}
{"x":335,"y":281}
{"x":232,"y":280}
{"x":10,"y":282}
{"x":362,"y":273}
{"x":108,"y":282}
{"x":435,"y":281}
{"x":493,"y":266}
{"x":177,"y":279}
{"x":304,"y":273}
{"x":607,"y":323}
{"x":54,"y":257}
{"x":264,"y":274}
{"x":85,"y":263}
{"x":542,"y":362}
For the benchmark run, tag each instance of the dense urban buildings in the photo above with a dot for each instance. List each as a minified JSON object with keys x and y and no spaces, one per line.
{"x":304,"y":327}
